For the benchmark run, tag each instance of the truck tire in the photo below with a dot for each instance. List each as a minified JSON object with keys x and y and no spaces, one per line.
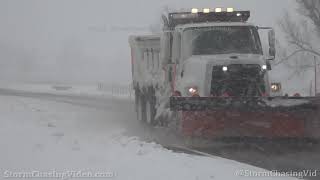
{"x":150,"y":112}
{"x":140,"y":108}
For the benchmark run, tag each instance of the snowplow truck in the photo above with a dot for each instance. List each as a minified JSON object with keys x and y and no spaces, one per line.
{"x":206,"y":74}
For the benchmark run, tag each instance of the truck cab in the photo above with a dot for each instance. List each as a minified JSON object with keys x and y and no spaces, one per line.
{"x":217,"y":54}
{"x":209,"y":53}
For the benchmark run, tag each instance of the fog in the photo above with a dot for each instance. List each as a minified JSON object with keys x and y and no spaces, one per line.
{"x":86,"y":40}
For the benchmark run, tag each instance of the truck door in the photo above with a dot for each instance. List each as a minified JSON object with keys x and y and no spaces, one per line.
{"x":176,"y":59}
{"x":166,"y":57}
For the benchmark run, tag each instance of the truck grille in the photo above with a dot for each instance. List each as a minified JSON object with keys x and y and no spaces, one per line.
{"x":239,"y":80}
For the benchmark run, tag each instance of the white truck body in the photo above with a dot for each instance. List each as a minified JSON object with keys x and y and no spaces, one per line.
{"x":206,"y":75}
{"x":155,"y":74}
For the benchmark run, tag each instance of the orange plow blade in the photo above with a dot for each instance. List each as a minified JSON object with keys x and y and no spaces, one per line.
{"x":216,"y":118}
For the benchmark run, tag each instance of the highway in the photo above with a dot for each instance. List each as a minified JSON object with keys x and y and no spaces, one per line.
{"x":286,"y":157}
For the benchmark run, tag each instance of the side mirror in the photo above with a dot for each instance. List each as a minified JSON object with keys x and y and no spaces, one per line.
{"x":165,"y":21}
{"x":272,"y":44}
{"x":269,"y":68}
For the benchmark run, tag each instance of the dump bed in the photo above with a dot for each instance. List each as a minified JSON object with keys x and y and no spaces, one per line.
{"x":145,"y":58}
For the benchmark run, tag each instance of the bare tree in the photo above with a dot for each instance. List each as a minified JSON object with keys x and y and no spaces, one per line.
{"x":311,"y":10}
{"x":300,"y":34}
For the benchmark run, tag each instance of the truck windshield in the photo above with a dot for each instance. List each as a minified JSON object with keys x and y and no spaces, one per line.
{"x":221,"y":40}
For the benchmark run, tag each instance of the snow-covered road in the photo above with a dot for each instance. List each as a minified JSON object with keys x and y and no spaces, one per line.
{"x":54,"y":134}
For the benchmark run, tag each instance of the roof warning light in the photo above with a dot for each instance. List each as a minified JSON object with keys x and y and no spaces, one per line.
{"x":194,"y":10}
{"x":218,"y":14}
{"x":206,"y":10}
{"x":218,"y":10}
{"x":230,"y":9}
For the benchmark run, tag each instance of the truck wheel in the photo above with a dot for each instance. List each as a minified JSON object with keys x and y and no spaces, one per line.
{"x":150,"y":113}
{"x":140,"y":109}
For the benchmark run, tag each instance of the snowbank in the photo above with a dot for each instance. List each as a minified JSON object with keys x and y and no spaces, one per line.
{"x":95,"y":90}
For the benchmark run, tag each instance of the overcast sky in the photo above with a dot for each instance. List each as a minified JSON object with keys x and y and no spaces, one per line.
{"x":91,"y":35}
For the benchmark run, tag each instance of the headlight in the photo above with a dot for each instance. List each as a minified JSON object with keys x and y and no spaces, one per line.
{"x":264,"y":67}
{"x":192,"y":91}
{"x":275,"y":87}
{"x":225,"y":68}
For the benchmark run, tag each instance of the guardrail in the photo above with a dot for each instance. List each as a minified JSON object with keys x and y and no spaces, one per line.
{"x":61,"y":88}
{"x":117,"y":90}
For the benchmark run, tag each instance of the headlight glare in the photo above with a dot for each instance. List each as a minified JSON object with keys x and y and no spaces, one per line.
{"x":192,"y":91}
{"x":275,"y":87}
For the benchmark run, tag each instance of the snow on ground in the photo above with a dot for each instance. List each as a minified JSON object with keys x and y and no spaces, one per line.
{"x":119,"y":91}
{"x":43,"y":136}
